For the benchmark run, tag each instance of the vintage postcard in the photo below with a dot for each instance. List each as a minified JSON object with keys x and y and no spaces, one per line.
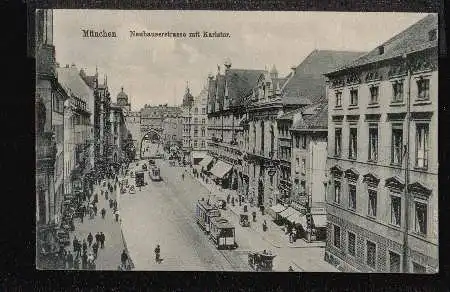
{"x":236,"y":141}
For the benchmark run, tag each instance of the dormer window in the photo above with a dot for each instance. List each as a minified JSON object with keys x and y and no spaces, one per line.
{"x":381,"y":50}
{"x":432,"y":35}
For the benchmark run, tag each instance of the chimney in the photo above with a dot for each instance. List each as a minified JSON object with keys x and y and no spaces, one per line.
{"x":293,"y":70}
{"x":381,"y":50}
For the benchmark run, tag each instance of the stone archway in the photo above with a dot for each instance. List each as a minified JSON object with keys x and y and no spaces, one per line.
{"x":154,"y":136}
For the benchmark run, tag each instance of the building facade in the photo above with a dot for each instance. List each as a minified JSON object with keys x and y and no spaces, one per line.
{"x":195,"y":121}
{"x":228,"y":94}
{"x":50,"y":98}
{"x":382,"y":200}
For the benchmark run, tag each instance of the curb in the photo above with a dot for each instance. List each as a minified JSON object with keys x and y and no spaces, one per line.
{"x":118,"y":194}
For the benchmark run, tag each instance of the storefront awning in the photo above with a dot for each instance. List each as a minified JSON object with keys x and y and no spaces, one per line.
{"x":278,"y":208}
{"x":220,"y":169}
{"x":320,"y":220}
{"x":297,"y":218}
{"x":206,"y":161}
{"x":288,"y":212}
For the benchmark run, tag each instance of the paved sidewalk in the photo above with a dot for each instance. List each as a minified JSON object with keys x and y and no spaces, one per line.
{"x":109,"y":257}
{"x":274,"y":234}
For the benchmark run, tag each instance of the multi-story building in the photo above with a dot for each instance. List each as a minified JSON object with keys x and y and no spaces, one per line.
{"x":228,"y":95}
{"x":308,"y":161}
{"x":78,"y":156}
{"x":195,"y":125}
{"x":133,"y":126}
{"x":50,"y":98}
{"x":382,"y":201}
{"x":117,"y":121}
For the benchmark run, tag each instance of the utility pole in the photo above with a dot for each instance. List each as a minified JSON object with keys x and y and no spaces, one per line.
{"x":406,"y":158}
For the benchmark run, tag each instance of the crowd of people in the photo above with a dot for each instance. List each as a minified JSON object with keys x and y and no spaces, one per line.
{"x":82,"y":253}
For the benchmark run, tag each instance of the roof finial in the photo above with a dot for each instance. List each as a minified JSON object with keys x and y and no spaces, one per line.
{"x":122,"y":88}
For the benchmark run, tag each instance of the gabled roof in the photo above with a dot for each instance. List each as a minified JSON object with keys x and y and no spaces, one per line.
{"x":240,"y":83}
{"x":313,"y":117}
{"x":414,"y":38}
{"x":71,"y":81}
{"x":307,"y":84}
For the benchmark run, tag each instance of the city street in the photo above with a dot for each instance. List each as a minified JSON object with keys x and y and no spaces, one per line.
{"x":164,"y":213}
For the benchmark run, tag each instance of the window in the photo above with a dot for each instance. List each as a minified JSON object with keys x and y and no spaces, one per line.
{"x":337,"y":191}
{"x":371,"y":254}
{"x":394,"y":262}
{"x":397,"y":88}
{"x":423,"y":89}
{"x":337,"y":141}
{"x":419,"y":268}
{"x":196,"y":111}
{"x":195,"y":120}
{"x":421,"y":218}
{"x":352,"y":196}
{"x":373,"y":142}
{"x":298,"y":162}
{"x":303,"y":166}
{"x":336,"y":236}
{"x":303,"y":137}
{"x":297,"y":142}
{"x":422,"y":145}
{"x":203,"y":121}
{"x":203,"y":144}
{"x":195,"y":143}
{"x":374,"y":94}
{"x":338,"y":98}
{"x":372,"y":207}
{"x":353,"y":143}
{"x":354,"y":97}
{"x":396,"y":207}
{"x":203,"y":131}
{"x":397,"y":144}
{"x":203,"y":110}
{"x":351,"y":243}
{"x":303,"y":187}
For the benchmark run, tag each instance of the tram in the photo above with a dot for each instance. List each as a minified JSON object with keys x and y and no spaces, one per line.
{"x":204,"y":212}
{"x":222,"y":233}
{"x":154,"y":173}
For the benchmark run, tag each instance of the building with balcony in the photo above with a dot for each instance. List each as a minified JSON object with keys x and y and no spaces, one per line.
{"x":50,"y":98}
{"x":195,"y":122}
{"x":382,"y":200}
{"x":228,"y":95}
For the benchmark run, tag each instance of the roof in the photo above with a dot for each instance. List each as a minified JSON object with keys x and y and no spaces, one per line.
{"x":90,"y":81}
{"x":211,"y":93}
{"x":308,"y":81}
{"x":414,"y":38}
{"x":72,"y":82}
{"x":313,"y":117}
{"x":240,"y":83}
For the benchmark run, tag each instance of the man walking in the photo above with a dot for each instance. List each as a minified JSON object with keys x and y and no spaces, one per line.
{"x":84,"y":245}
{"x":103,"y":213}
{"x":75,"y":243}
{"x":84,"y":260}
{"x":97,"y":237}
{"x":102,"y":240}
{"x":95,"y":248}
{"x":90,"y":238}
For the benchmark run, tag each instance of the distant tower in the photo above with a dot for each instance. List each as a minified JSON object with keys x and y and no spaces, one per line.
{"x":273,"y":72}
{"x":227,"y":64}
{"x":188,"y":99}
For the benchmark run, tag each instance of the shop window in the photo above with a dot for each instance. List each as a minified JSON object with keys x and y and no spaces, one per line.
{"x":394,"y":262}
{"x":336,"y":236}
{"x":351,"y":243}
{"x":371,"y":249}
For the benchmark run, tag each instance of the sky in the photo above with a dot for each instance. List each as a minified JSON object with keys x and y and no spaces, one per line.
{"x":156,"y":70}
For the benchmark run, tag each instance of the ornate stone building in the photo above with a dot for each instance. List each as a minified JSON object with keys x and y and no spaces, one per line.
{"x":382,"y":200}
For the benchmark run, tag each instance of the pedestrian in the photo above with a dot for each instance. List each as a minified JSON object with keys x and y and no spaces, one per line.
{"x":95,"y":209}
{"x":103,"y":213}
{"x":124,"y":258}
{"x":294,"y":235}
{"x":97,"y":237}
{"x":102,"y":240}
{"x":69,"y":260}
{"x":290,"y":269}
{"x":115,"y":204}
{"x":85,"y":245}
{"x":90,"y":260}
{"x":117,"y":215}
{"x":84,"y":260}
{"x":90,"y":238}
{"x":110,"y":203}
{"x":264,"y":225}
{"x":81,"y":214}
{"x":75,"y":243}
{"x":106,"y":195}
{"x":95,"y":248}
{"x":76,"y":263}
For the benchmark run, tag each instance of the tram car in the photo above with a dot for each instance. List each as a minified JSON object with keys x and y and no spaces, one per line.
{"x":222,"y":233}
{"x":204,"y":212}
{"x":155,"y":173}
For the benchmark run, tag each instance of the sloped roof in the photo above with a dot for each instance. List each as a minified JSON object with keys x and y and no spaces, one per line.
{"x":90,"y":81}
{"x":220,"y":81}
{"x":314,"y":116}
{"x":289,"y":115}
{"x":240,"y":83}
{"x":414,"y":38}
{"x":308,"y":81}
{"x":211,"y":92}
{"x":72,"y":82}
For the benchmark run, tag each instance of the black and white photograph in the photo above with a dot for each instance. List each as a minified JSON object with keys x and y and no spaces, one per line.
{"x":244,"y":141}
